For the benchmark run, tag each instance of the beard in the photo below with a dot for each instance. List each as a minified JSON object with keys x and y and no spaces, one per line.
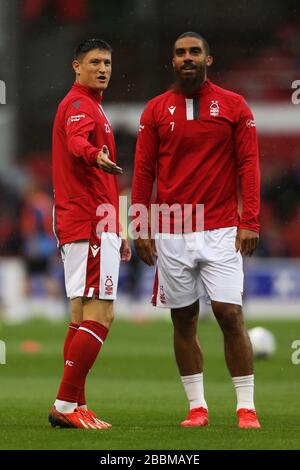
{"x":188,"y":85}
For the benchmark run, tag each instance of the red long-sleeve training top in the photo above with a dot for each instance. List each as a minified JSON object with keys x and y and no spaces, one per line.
{"x":80,"y":186}
{"x":200,"y":148}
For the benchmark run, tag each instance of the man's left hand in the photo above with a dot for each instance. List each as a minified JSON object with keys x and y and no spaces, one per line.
{"x":125,"y":250}
{"x":246,"y":241}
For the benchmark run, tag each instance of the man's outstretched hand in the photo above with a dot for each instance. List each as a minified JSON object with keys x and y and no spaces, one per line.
{"x":106,"y":164}
{"x":246,"y":241}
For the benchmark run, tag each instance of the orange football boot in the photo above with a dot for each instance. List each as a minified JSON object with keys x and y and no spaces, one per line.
{"x":196,"y":417}
{"x":248,"y":419}
{"x":77,"y":419}
{"x":96,"y":420}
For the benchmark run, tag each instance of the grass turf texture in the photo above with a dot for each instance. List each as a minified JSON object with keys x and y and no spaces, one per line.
{"x":135,"y":386}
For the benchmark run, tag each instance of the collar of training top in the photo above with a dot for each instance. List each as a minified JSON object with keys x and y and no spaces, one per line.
{"x":201,"y":90}
{"x":89,"y":91}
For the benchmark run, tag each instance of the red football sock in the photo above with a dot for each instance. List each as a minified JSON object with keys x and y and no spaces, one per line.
{"x":80,"y":357}
{"x":72,"y":330}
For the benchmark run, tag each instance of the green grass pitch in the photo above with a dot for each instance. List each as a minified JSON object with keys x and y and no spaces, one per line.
{"x":135,"y":386}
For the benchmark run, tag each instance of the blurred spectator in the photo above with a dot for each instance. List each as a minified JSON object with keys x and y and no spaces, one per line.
{"x":38,"y":243}
{"x":9,"y":220}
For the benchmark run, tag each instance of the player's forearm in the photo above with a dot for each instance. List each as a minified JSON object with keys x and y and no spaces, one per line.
{"x":250,"y":190}
{"x":141,"y":198}
{"x":80,"y":147}
{"x":141,"y":190}
{"x":143,"y":179}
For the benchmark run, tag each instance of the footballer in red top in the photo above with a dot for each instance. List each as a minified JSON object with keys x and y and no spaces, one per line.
{"x":198,"y":145}
{"x":81,"y":130}
{"x":199,"y":142}
{"x":85,"y":191}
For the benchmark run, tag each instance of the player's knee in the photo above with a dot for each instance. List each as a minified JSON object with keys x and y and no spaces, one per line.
{"x":230,"y":319}
{"x":76,"y":310}
{"x":99,"y":310}
{"x":106,"y":316}
{"x":185,"y":322}
{"x":110,"y":318}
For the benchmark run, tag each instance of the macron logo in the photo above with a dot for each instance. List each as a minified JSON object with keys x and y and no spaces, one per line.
{"x":69,"y":363}
{"x":172,"y":109}
{"x":95,"y":250}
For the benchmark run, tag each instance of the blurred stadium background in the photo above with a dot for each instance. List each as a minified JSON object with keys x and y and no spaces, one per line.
{"x":257,"y":53}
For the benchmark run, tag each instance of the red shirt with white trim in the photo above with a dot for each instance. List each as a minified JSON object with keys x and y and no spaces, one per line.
{"x":80,"y":186}
{"x":199,"y":148}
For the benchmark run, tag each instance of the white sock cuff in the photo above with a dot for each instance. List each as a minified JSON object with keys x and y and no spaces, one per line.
{"x":189,"y":379}
{"x":65,"y":406}
{"x":243,"y":380}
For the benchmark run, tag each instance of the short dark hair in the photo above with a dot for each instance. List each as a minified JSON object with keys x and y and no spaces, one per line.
{"x":192,"y":34}
{"x":90,"y":44}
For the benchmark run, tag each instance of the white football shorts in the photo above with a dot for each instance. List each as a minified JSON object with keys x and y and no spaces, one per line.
{"x":92,"y":267}
{"x":195,"y":265}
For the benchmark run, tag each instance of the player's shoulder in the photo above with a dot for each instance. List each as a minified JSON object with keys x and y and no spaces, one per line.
{"x":159,"y":100}
{"x":229,"y":95}
{"x":155,"y":106}
{"x":74,"y":101}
